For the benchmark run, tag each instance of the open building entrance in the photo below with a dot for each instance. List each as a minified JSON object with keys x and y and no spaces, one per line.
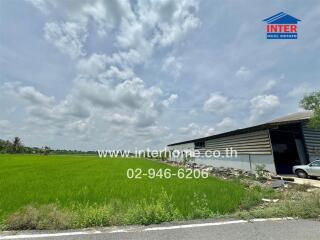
{"x":288,"y":147}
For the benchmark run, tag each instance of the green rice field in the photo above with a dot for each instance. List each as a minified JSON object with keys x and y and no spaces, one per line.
{"x":68,"y":180}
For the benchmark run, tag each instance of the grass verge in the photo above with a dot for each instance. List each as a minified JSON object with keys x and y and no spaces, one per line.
{"x":51,"y":216}
{"x":292,"y":203}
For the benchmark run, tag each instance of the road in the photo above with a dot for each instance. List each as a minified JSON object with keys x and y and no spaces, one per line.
{"x":225,"y":230}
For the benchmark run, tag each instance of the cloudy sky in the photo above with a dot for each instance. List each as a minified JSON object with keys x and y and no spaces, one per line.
{"x":125,"y":74}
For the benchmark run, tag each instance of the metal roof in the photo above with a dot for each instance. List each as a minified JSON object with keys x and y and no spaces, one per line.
{"x":298,"y":116}
{"x":289,"y":119}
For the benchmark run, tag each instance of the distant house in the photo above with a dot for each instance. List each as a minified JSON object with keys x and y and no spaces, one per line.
{"x":278,"y":144}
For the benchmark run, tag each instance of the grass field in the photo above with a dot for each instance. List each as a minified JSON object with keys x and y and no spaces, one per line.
{"x":89,"y":182}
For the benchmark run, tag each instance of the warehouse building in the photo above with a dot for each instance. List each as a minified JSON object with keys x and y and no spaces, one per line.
{"x":278,"y":145}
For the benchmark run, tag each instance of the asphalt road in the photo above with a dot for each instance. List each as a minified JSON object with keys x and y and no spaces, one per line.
{"x":266,"y":230}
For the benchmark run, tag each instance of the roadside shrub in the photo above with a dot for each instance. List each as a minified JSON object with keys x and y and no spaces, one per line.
{"x":260,"y":172}
{"x":303,"y":205}
{"x":161,"y":210}
{"x":96,"y":215}
{"x":200,"y":207}
{"x":43,"y":217}
{"x":301,"y":187}
{"x":255,"y":197}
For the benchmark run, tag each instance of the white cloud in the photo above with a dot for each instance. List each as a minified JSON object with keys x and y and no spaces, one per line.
{"x":126,"y":58}
{"x":92,"y":65}
{"x":128,"y":102}
{"x":262,"y":105}
{"x":300,"y":91}
{"x":243,"y":72}
{"x":226,"y":124}
{"x":217,"y":104}
{"x":193,"y":112}
{"x":106,"y":95}
{"x":27,"y":94}
{"x":140,"y":26}
{"x":170,"y":100}
{"x":109,"y":82}
{"x":107,"y":14}
{"x":6,"y":127}
{"x":172,"y":66}
{"x":157,"y":24}
{"x":4,"y":124}
{"x":34,"y":97}
{"x":174,"y":19}
{"x":94,"y":109}
{"x":194,"y":130}
{"x":119,"y":119}
{"x":124,"y":100}
{"x":68,"y":37}
{"x":132,"y":36}
{"x":268,"y":85}
{"x":43,"y":109}
{"x":40,"y":5}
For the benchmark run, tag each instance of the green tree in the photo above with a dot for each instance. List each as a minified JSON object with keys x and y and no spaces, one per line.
{"x":46,"y":150}
{"x":312,"y":102}
{"x":17,"y":146}
{"x":5,"y":146}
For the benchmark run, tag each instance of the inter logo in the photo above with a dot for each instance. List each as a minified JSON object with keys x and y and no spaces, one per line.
{"x":282,"y":26}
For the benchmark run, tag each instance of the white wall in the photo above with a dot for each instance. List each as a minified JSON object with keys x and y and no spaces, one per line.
{"x":266,"y":160}
{"x":240,"y":162}
{"x":181,"y":147}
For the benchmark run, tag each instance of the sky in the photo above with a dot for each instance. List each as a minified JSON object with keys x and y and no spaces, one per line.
{"x":142,"y":74}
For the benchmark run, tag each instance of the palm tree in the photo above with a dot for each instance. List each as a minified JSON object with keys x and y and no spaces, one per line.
{"x":16,"y":145}
{"x":46,"y":150}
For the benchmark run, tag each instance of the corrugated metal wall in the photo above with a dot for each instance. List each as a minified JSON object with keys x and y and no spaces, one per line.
{"x":248,"y":143}
{"x":312,"y":140}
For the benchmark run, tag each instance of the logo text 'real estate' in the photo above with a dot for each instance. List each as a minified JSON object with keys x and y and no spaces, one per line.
{"x":282,"y":26}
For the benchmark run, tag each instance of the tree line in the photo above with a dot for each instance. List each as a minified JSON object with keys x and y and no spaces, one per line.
{"x":16,"y":146}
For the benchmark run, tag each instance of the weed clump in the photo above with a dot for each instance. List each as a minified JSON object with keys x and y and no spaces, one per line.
{"x":161,"y":210}
{"x":42,"y":217}
{"x":298,"y":204}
